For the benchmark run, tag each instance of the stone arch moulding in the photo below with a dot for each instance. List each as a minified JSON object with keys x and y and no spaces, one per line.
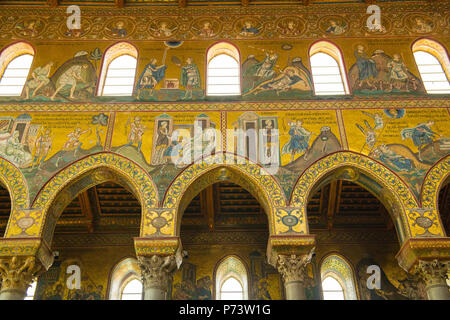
{"x":226,"y":166}
{"x":14,"y":181}
{"x":432,"y":184}
{"x":413,"y":221}
{"x":103,"y":166}
{"x":334,"y":262}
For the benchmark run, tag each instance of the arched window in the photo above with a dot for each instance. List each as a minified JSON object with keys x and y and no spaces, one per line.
{"x":132,"y":290}
{"x":118,"y":70}
{"x":223,"y":71}
{"x":231,"y":280}
{"x":433,"y":64}
{"x":31,"y":291}
{"x":125,"y":281}
{"x":337,"y":279}
{"x":332,"y":289}
{"x":327,"y":68}
{"x":15,"y":64}
{"x":231,"y":290}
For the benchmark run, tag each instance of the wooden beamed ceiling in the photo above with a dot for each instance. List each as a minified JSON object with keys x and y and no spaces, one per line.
{"x":225,"y":206}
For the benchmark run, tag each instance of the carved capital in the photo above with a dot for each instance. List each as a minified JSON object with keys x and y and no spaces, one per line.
{"x":157,"y":270}
{"x":294,"y":268}
{"x":432,"y":272}
{"x":18,"y":272}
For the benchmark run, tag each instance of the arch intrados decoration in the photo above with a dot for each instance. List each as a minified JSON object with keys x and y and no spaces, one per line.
{"x":13,"y":180}
{"x":242,"y":276}
{"x":114,"y":51}
{"x":213,"y":176}
{"x":436,"y":49}
{"x":436,"y":177}
{"x":124,"y":271}
{"x":13,"y":51}
{"x":223,"y":48}
{"x":398,"y":191}
{"x":267,"y":189}
{"x":350,"y":288}
{"x":103,"y":167}
{"x":333,"y":51}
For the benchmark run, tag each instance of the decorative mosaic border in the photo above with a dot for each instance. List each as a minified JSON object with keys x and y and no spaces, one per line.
{"x":389,"y":180}
{"x":322,"y":104}
{"x":226,"y":22}
{"x":432,"y":183}
{"x":142,"y":182}
{"x":263,"y":180}
{"x":15,"y":182}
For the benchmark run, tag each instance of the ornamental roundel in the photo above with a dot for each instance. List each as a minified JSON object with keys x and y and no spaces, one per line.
{"x":290,"y":26}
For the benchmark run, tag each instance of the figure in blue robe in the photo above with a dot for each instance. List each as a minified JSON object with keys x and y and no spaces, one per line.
{"x":421,"y":135}
{"x":392,"y":159}
{"x":151,"y":76}
{"x":248,"y":29}
{"x":298,"y":142}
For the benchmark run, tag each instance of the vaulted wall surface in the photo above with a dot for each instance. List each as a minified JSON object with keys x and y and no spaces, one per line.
{"x":150,"y":139}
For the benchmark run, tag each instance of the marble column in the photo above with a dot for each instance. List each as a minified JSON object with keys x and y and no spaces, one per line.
{"x":294,"y":270}
{"x":157,"y":272}
{"x":17,"y":274}
{"x":434,"y":274}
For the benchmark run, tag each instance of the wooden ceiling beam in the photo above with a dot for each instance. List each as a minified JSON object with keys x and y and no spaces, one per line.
{"x":210,"y":207}
{"x":335,"y":187}
{"x":245,"y":3}
{"x":86,"y":208}
{"x":387,"y":217}
{"x":119,"y":3}
{"x":443,"y":200}
{"x":182,"y":3}
{"x":52,"y":3}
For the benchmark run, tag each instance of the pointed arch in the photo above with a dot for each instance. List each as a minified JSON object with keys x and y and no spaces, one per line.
{"x":328,"y":69}
{"x":434,"y":180}
{"x":118,"y":71}
{"x":434,"y":65}
{"x":123,"y":272}
{"x":219,"y":167}
{"x":234,"y":268}
{"x":15,"y":64}
{"x":380,"y":180}
{"x":340,"y":269}
{"x":14,"y":181}
{"x":94,"y":169}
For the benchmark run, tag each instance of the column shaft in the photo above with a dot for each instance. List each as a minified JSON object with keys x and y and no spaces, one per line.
{"x":294,"y":270}
{"x":434,"y":273}
{"x":157,"y":272}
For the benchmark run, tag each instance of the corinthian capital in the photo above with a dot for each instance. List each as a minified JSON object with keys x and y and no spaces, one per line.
{"x":157,"y":271}
{"x":432,"y":272}
{"x":19,"y":272}
{"x":294,"y":268}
